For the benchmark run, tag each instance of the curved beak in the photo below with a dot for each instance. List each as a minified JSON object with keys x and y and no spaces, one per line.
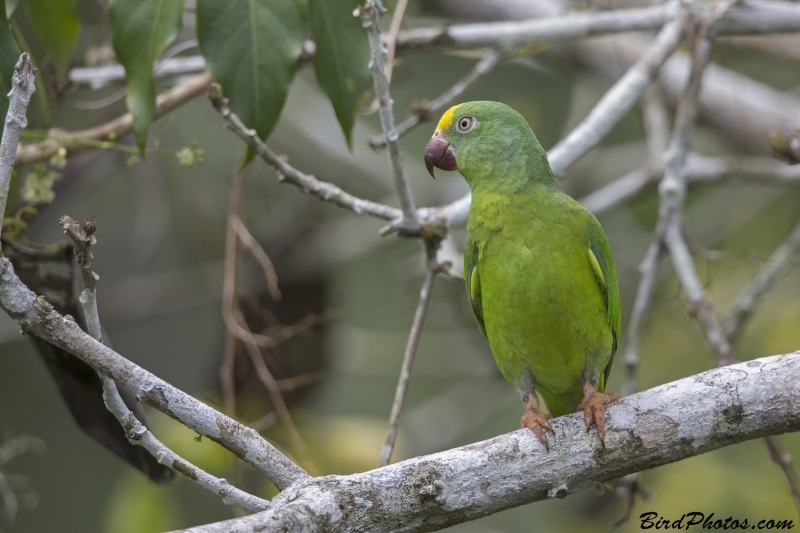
{"x":439,"y":153}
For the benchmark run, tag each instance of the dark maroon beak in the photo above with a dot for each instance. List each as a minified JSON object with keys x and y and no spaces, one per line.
{"x":439,"y":153}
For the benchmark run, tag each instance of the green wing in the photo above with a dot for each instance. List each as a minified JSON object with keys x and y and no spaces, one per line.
{"x":603,"y":267}
{"x":473,"y":280}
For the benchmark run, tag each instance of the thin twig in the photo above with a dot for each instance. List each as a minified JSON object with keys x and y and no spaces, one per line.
{"x":672,"y":191}
{"x":237,"y":325}
{"x":431,"y":268}
{"x":22,"y":87}
{"x":247,"y":239}
{"x":608,"y":111}
{"x":619,"y":99}
{"x":371,"y":14}
{"x":137,"y":433}
{"x":226,"y":374}
{"x":324,"y":191}
{"x":426,"y":111}
{"x":78,"y":141}
{"x":745,"y":303}
{"x":273,"y":389}
{"x":391,"y":47}
{"x":648,"y":270}
{"x":784,"y":461}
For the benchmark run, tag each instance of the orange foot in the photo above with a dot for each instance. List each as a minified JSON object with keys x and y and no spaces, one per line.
{"x":537,"y":421}
{"x":592,"y":407}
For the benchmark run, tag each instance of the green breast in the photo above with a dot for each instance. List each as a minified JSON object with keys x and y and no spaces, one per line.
{"x":539,"y":298}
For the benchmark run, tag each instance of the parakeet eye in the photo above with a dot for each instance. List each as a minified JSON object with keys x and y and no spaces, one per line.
{"x":465,"y":123}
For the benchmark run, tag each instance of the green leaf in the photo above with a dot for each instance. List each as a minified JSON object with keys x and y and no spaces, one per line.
{"x":342,"y":58}
{"x":9,"y":55}
{"x":252,"y":47}
{"x":140,"y":31}
{"x":57,"y":27}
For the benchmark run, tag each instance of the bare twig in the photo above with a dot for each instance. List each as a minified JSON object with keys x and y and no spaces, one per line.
{"x":98,"y":77}
{"x":425,"y":111}
{"x":83,"y":239}
{"x":325,"y":191}
{"x":391,"y":47}
{"x":619,"y":99}
{"x":431,"y":268}
{"x":620,"y":189}
{"x":37,"y":317}
{"x":745,"y":303}
{"x":749,"y":19}
{"x":784,"y":462}
{"x":672,"y":190}
{"x":226,"y":374}
{"x":260,"y":255}
{"x":371,"y":15}
{"x":274,"y":391}
{"x":697,"y":169}
{"x":237,"y":325}
{"x":22,"y":87}
{"x":648,"y":270}
{"x":78,"y":141}
{"x":137,"y":433}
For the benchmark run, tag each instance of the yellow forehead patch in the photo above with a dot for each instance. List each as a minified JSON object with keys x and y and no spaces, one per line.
{"x":447,"y":119}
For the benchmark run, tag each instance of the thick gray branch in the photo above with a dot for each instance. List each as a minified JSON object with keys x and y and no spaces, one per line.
{"x":37,"y":317}
{"x":618,"y":100}
{"x":749,"y":19}
{"x":669,"y":423}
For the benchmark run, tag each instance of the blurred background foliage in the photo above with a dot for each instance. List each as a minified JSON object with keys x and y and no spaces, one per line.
{"x":161,"y":245}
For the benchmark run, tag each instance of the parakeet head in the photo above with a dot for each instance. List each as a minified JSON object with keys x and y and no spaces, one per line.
{"x":487,"y":141}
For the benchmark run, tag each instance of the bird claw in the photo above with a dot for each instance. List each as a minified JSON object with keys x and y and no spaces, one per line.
{"x":593,"y":414}
{"x":537,"y":421}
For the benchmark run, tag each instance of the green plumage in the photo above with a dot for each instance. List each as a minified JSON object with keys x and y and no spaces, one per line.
{"x":538,"y":267}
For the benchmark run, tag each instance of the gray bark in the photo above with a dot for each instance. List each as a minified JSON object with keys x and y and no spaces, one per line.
{"x":668,"y":423}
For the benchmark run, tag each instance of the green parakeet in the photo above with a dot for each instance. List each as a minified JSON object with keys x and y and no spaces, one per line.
{"x":538,"y":267}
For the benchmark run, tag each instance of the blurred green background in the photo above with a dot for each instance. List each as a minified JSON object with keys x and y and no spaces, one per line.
{"x":161,"y":232}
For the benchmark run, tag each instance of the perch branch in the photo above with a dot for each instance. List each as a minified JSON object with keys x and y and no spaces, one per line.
{"x":665,"y":424}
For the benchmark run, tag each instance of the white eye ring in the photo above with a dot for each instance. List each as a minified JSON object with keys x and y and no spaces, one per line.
{"x":465,"y":124}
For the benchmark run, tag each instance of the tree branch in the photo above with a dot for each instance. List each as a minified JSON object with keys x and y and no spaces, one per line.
{"x":78,"y":141}
{"x":323,"y":190}
{"x":37,"y":317}
{"x":371,"y":14}
{"x":745,"y":303}
{"x":751,"y":18}
{"x":426,"y":111}
{"x":22,"y":87}
{"x":619,"y":99}
{"x":665,"y":424}
{"x":135,"y":431}
{"x":432,"y":267}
